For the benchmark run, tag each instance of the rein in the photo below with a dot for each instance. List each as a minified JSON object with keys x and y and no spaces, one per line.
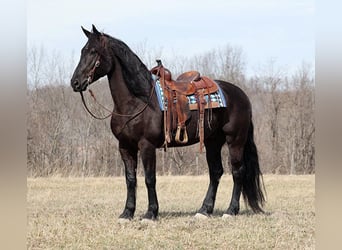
{"x":86,"y":107}
{"x":132,"y":116}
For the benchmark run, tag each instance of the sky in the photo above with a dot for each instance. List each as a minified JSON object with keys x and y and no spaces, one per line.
{"x":279,"y":30}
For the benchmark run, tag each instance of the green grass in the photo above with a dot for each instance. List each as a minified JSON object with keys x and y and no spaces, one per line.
{"x":76,"y":213}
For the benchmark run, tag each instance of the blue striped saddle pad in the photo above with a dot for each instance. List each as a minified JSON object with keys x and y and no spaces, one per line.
{"x":217,"y":99}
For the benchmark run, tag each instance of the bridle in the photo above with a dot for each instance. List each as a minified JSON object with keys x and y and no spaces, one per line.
{"x":92,"y":71}
{"x":89,"y":80}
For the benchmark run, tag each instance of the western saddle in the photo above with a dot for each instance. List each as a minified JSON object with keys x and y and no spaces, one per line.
{"x":177,"y":108}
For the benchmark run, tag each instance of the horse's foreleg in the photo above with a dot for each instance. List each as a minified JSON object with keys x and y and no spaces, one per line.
{"x":213,"y":155}
{"x":129,"y":158}
{"x":148,"y":155}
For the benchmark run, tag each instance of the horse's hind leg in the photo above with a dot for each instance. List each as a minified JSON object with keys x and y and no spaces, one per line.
{"x":238,"y":171}
{"x":213,"y":154}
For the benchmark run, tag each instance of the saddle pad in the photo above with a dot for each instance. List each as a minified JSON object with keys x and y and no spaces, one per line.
{"x":217,"y":98}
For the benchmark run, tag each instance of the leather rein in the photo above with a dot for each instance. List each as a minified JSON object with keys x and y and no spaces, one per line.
{"x":113,"y":112}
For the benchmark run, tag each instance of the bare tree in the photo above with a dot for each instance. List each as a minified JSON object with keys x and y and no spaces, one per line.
{"x":62,"y":139}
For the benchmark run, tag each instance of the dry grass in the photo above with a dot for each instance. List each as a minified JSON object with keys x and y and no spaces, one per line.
{"x":76,"y":213}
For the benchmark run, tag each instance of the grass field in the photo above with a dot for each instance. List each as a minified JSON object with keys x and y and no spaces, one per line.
{"x":77,"y":213}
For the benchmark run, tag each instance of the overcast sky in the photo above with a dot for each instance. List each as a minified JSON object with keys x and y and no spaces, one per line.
{"x":282,"y":30}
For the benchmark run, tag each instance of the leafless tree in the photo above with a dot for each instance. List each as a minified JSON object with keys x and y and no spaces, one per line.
{"x":62,"y":139}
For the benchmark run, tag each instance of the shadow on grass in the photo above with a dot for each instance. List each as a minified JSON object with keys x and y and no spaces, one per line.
{"x":176,"y":214}
{"x":216,"y":213}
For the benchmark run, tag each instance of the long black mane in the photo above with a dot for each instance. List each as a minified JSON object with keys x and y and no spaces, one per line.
{"x":134,"y":71}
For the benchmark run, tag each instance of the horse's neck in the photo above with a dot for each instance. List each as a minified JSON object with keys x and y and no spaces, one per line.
{"x":118,"y":88}
{"x":123,"y":99}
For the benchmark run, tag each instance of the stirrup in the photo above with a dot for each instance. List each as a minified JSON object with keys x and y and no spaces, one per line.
{"x":178,"y":134}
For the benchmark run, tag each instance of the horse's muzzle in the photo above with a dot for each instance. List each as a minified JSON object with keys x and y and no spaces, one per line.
{"x":78,"y":86}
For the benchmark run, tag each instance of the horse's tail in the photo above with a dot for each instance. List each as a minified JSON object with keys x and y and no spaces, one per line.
{"x":252,"y":188}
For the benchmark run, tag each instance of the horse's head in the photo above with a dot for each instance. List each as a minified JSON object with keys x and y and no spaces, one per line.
{"x":94,"y":62}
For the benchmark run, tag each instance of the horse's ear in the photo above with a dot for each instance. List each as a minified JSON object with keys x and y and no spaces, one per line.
{"x":95,"y":31}
{"x":86,"y":32}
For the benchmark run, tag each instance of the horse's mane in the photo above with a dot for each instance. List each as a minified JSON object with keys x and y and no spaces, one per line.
{"x":135,"y":72}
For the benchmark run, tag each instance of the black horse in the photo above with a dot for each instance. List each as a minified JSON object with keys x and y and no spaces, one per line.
{"x":137,"y":123}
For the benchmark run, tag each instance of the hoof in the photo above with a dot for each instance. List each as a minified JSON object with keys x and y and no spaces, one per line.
{"x":123,"y":221}
{"x":200,"y":216}
{"x":227,"y":216}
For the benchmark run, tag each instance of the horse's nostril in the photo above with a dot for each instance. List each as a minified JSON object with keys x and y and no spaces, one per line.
{"x":76,"y":83}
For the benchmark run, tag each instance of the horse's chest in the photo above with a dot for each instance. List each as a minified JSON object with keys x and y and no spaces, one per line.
{"x":133,"y":130}
{"x":125,"y":127}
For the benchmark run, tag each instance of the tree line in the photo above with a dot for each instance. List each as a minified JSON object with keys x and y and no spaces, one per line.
{"x":63,"y":140}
